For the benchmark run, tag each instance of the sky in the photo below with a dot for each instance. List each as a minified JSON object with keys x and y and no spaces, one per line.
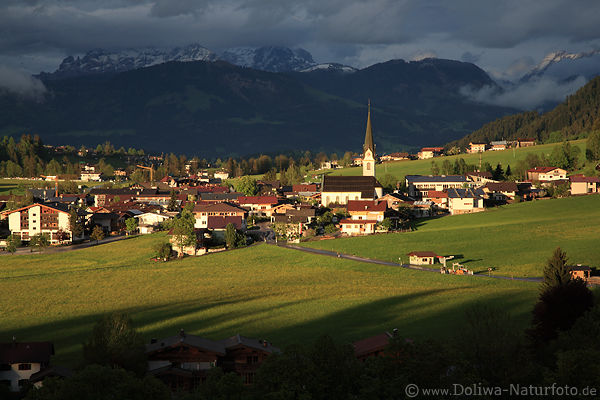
{"x":505,"y":38}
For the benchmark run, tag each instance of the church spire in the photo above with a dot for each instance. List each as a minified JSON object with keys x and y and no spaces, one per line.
{"x":369,"y":133}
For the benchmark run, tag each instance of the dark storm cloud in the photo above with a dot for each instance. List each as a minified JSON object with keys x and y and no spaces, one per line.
{"x":356,"y":28}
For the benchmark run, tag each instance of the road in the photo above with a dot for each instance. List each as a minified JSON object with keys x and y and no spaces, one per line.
{"x":52,"y":249}
{"x":391,"y":264}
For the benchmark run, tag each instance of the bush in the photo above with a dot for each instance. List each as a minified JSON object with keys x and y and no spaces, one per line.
{"x":163,"y":251}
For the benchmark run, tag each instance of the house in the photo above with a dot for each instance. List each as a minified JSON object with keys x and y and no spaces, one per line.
{"x":501,"y":191}
{"x":305,"y":189}
{"x":367,"y":210}
{"x":464,"y":201}
{"x":218,"y":215}
{"x":546,"y":174}
{"x":580,"y":271}
{"x":20,"y":360}
{"x":439,"y":199}
{"x":525,"y":142}
{"x":182,"y":361}
{"x":419,"y":185}
{"x":476,"y":147}
{"x":91,"y":176}
{"x":149,"y":221}
{"x":219,"y":197}
{"x":333,"y":164}
{"x":480,"y":177}
{"x":373,"y":346}
{"x":423,"y":257}
{"x":430,"y":152}
{"x":340,"y":189}
{"x":394,"y":200}
{"x":195,"y":249}
{"x":221,"y":175}
{"x":358,"y":226}
{"x":259,"y":205}
{"x":120,"y":172}
{"x":584,"y":184}
{"x":422,"y":208}
{"x":499,"y":145}
{"x":51,"y":219}
{"x":395,"y":157}
{"x":244,"y":355}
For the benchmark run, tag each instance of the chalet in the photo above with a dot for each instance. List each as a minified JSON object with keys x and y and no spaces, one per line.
{"x":439,"y":199}
{"x":430,"y":152}
{"x":244,"y":355}
{"x":500,"y":191}
{"x":218,"y":215}
{"x":499,"y":145}
{"x":476,"y":147}
{"x":423,"y":257}
{"x":525,"y":142}
{"x":258,"y":205}
{"x":584,"y":184}
{"x":221,"y":175}
{"x":419,"y":185}
{"x":480,"y":177}
{"x":305,"y":189}
{"x":333,"y":164}
{"x":358,"y":226}
{"x":19,"y":361}
{"x":148,"y":222}
{"x":341,"y":189}
{"x":182,"y":361}
{"x":373,"y":346}
{"x":91,"y":176}
{"x":104,"y":196}
{"x":394,"y":200}
{"x":367,"y":210}
{"x":51,"y":219}
{"x":395,"y":157}
{"x":357,"y":162}
{"x":546,"y":174}
{"x":580,"y":271}
{"x":464,"y":201}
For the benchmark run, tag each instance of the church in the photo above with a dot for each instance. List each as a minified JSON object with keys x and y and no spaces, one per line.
{"x":338,"y":190}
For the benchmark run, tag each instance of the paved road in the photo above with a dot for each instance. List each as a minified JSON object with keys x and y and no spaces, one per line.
{"x":381,"y":262}
{"x":50,"y":250}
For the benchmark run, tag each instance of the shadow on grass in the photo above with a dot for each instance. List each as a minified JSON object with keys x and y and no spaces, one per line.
{"x":428,"y":313}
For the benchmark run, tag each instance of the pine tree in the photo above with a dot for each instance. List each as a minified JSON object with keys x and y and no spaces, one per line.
{"x":172,"y":206}
{"x":556,"y":272}
{"x":74,"y":223}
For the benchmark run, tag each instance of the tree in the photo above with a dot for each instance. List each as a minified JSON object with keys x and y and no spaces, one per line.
{"x":234,"y":238}
{"x":556,"y":272}
{"x":115,"y":343}
{"x":183,"y":230}
{"x":163,"y":251}
{"x":270,"y":175}
{"x":388,"y":181}
{"x":40,"y":241}
{"x":565,"y":156}
{"x":508,"y":172}
{"x":97,"y":234}
{"x":498,"y":174}
{"x":592,"y":152}
{"x":75,"y":224}
{"x":131,"y":224}
{"x":173,"y":205}
{"x":247,"y":185}
{"x":12,"y":243}
{"x":435,"y":170}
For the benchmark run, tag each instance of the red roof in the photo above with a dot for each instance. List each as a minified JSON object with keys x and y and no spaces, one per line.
{"x":366,"y":205}
{"x":211,"y":189}
{"x":358,"y":221}
{"x":542,"y":169}
{"x":432,"y":149}
{"x":257,"y":199}
{"x":219,"y":222}
{"x":31,"y":352}
{"x":423,"y":254}
{"x":435,"y":194}
{"x":587,"y":179}
{"x":371,"y":344}
{"x":304,"y":188}
{"x":218,"y":207}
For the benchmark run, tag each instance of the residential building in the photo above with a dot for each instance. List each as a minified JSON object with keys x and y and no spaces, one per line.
{"x":480,"y":177}
{"x":222,"y":175}
{"x":259,"y":205}
{"x":439,"y":199}
{"x":20,"y":360}
{"x":584,"y":184}
{"x":499,"y":145}
{"x":373,"y":346}
{"x":244,"y":355}
{"x":91,"y":176}
{"x":525,"y":142}
{"x":51,"y":219}
{"x":580,"y":271}
{"x":501,"y":191}
{"x":367,"y":210}
{"x":464,"y":201}
{"x":395,"y":157}
{"x":213,"y":216}
{"x":430,"y":152}
{"x":358,"y":226}
{"x":148,"y":222}
{"x":419,"y":185}
{"x":476,"y":147}
{"x":546,"y":174}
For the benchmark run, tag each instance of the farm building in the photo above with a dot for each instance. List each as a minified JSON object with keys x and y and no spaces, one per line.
{"x":423,"y":257}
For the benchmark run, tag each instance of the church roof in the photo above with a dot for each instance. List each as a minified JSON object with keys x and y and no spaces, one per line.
{"x":369,"y":134}
{"x":364,"y":184}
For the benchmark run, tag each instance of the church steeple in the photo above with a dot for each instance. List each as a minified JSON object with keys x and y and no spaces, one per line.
{"x":369,"y":133}
{"x":368,"y":162}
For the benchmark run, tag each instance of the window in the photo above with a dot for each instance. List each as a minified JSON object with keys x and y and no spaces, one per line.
{"x":368,"y":166}
{"x":251,"y":359}
{"x":24,"y":367}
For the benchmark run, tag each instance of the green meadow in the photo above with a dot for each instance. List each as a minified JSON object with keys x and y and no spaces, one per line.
{"x":283,"y":295}
{"x":511,"y":157}
{"x":515,"y":239}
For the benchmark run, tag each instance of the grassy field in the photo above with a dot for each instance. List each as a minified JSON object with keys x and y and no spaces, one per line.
{"x":282,"y":295}
{"x":515,"y":239}
{"x":510,"y":157}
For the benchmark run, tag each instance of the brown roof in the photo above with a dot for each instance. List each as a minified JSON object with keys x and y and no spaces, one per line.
{"x":358,"y":221}
{"x":303,"y":212}
{"x":484,"y":174}
{"x":364,"y":184}
{"x":579,"y":268}
{"x":304,"y":188}
{"x":542,"y":169}
{"x":26,"y":352}
{"x":218,"y":207}
{"x":221,"y":222}
{"x":257,"y":200}
{"x":185,"y":339}
{"x":502,"y":187}
{"x":423,"y":254}
{"x":587,"y":179}
{"x":239,"y":341}
{"x":436,"y":194}
{"x":371,"y":344}
{"x":432,"y":149}
{"x":366,"y":205}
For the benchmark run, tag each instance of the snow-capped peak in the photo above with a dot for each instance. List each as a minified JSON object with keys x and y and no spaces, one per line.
{"x":330,"y":67}
{"x":269,"y":58}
